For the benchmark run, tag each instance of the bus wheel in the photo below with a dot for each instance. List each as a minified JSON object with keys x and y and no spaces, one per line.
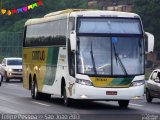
{"x":123,"y":103}
{"x":148,"y":96}
{"x":67,"y":101}
{"x":34,"y":91}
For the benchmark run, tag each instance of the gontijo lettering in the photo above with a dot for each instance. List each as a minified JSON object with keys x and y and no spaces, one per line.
{"x":38,"y":55}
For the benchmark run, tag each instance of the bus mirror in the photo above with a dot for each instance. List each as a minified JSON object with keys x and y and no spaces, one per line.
{"x":73,"y":41}
{"x":149,"y":42}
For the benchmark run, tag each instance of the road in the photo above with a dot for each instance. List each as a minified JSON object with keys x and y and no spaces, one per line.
{"x":14,"y":99}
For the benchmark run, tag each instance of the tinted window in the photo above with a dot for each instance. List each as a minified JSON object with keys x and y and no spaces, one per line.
{"x":109,"y":25}
{"x":14,"y":62}
{"x":154,"y":74}
{"x":46,"y":34}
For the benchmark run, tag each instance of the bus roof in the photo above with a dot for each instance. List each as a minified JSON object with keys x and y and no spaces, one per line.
{"x":80,"y":12}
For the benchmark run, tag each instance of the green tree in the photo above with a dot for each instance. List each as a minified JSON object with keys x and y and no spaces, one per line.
{"x":16,"y":22}
{"x":149,"y":12}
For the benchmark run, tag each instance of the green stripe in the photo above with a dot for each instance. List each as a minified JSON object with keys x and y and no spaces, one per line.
{"x":51,"y":65}
{"x":121,"y":81}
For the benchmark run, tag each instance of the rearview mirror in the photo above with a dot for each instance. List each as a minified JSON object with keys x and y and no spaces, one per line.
{"x":149,"y":42}
{"x":3,"y":65}
{"x":154,"y":76}
{"x":157,"y":80}
{"x":73,"y":41}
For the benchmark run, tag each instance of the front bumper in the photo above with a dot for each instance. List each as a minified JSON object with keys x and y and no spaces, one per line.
{"x":93,"y":93}
{"x":14,"y":75}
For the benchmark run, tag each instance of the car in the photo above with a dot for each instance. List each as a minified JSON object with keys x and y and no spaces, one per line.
{"x":11,"y":68}
{"x":153,"y":86}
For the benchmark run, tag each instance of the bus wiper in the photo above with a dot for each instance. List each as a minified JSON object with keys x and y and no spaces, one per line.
{"x":119,"y":60}
{"x":93,"y":61}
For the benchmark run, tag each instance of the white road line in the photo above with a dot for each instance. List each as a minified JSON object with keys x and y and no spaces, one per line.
{"x":135,"y":104}
{"x":13,"y":85}
{"x":41,"y":103}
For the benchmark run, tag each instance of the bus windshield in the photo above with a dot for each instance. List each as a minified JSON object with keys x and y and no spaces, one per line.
{"x":109,"y":25}
{"x":110,"y":55}
{"x":110,"y":46}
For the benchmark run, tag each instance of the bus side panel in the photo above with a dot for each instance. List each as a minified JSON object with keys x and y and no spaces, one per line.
{"x":57,"y":73}
{"x":34,"y":63}
{"x":27,"y":59}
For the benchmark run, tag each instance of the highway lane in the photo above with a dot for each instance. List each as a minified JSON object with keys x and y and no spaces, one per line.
{"x":14,"y":99}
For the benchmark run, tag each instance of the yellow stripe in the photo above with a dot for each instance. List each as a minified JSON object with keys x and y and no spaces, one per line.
{"x":34,"y":63}
{"x":100,"y":81}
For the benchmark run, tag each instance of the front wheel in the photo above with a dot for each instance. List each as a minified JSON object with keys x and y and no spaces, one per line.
{"x":67,"y":101}
{"x":123,"y":103}
{"x":148,"y":96}
{"x":1,"y":78}
{"x":6,"y":78}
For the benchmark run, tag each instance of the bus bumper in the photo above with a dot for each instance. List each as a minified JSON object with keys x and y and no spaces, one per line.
{"x":94,"y":93}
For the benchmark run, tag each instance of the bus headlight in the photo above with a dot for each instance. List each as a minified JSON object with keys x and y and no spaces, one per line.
{"x":137,"y":83}
{"x":84,"y":82}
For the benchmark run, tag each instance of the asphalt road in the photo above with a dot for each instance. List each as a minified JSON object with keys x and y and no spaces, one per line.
{"x":15,"y":100}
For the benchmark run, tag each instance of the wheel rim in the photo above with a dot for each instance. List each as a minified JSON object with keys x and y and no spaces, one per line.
{"x":35,"y":90}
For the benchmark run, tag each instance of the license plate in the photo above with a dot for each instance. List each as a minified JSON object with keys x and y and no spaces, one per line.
{"x":111,"y":92}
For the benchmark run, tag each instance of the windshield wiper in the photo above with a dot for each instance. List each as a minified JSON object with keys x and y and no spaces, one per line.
{"x":92,"y":57}
{"x":119,"y":60}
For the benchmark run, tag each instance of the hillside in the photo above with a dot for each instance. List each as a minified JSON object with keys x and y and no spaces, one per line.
{"x":148,"y":10}
{"x":16,"y":22}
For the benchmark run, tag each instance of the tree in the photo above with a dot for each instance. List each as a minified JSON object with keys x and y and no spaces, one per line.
{"x":8,"y":23}
{"x":149,"y":12}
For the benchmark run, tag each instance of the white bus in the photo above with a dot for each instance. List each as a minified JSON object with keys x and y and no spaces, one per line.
{"x":85,"y":55}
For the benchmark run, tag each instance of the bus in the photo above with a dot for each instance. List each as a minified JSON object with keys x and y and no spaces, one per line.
{"x":81,"y":54}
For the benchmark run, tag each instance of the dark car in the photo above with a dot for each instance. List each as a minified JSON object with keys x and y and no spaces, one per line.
{"x":153,"y":86}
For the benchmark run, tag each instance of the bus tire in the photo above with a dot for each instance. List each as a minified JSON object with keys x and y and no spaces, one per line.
{"x":148,"y":96}
{"x":123,"y":103}
{"x":67,"y":101}
{"x":34,"y":91}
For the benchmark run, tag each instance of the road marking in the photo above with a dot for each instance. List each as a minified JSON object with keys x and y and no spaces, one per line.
{"x":13,"y":84}
{"x":7,"y":110}
{"x":135,"y":104}
{"x":41,"y":103}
